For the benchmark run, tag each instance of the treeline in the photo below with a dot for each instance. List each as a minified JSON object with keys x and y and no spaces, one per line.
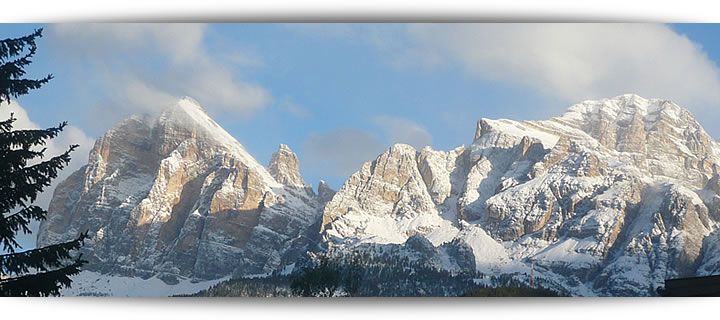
{"x":512,"y":292}
{"x":368,"y":274}
{"x":372,"y":274}
{"x":273,"y":286}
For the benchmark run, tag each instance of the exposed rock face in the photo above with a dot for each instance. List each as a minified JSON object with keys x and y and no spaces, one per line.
{"x":710,"y":263}
{"x":285,"y":168}
{"x":387,"y":199}
{"x":436,"y":168}
{"x":712,"y":197}
{"x":178,"y":195}
{"x":325,"y":193}
{"x":664,"y":241}
{"x":714,"y":184}
{"x":660,"y":137}
{"x":610,"y":199}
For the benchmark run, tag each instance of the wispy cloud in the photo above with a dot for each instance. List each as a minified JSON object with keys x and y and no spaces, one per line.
{"x":574,"y":62}
{"x":147,"y":65}
{"x":567,"y":63}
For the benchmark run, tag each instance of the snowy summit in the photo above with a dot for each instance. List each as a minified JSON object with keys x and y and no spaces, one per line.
{"x":610,"y":198}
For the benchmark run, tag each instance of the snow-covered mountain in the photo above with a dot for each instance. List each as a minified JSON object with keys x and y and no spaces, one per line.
{"x":176,"y":195}
{"x":610,"y":198}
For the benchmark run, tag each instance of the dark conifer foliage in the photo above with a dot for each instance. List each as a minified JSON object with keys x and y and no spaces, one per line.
{"x":372,"y":274}
{"x":41,"y":271}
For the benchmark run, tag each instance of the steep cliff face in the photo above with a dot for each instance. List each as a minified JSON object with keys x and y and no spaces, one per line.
{"x":325,"y":193}
{"x":177,"y":195}
{"x":611,"y":198}
{"x":285,"y":168}
{"x":387,"y":200}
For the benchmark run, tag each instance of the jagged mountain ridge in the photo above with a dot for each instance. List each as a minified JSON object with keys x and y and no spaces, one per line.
{"x":177,"y":195}
{"x":610,"y":198}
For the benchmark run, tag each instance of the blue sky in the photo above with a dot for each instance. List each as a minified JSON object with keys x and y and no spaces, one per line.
{"x":340,"y":94}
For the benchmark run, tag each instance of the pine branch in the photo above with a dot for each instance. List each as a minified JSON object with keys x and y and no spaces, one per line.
{"x":14,"y":69}
{"x":13,"y":88}
{"x":41,"y":259}
{"x":21,"y":186}
{"x":28,"y":138}
{"x":41,"y":284}
{"x":6,"y":126}
{"x":10,"y":225}
{"x":18,"y":159}
{"x":12,"y":47}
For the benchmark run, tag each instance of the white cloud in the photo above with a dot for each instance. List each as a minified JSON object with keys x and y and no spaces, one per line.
{"x":140,"y":96}
{"x":574,"y":61}
{"x":400,"y":130}
{"x":69,"y":136}
{"x":181,"y":42}
{"x":147,"y":65}
{"x":341,"y":151}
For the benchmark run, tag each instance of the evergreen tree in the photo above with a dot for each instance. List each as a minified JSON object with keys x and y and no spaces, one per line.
{"x":320,"y":281}
{"x":42,"y":271}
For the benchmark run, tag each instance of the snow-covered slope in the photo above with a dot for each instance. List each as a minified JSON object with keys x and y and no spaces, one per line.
{"x":611,"y":198}
{"x":89,"y":283}
{"x":176,"y":196}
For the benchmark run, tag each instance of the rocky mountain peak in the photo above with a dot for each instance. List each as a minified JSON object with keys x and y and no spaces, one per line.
{"x":504,"y":133}
{"x":612,"y":119}
{"x":176,"y":194}
{"x":186,"y":119}
{"x":628,"y":104}
{"x":655,"y":135}
{"x":186,"y":112}
{"x":618,"y":184}
{"x":612,"y":184}
{"x":325,"y":193}
{"x":386,"y":195}
{"x":285,"y":167}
